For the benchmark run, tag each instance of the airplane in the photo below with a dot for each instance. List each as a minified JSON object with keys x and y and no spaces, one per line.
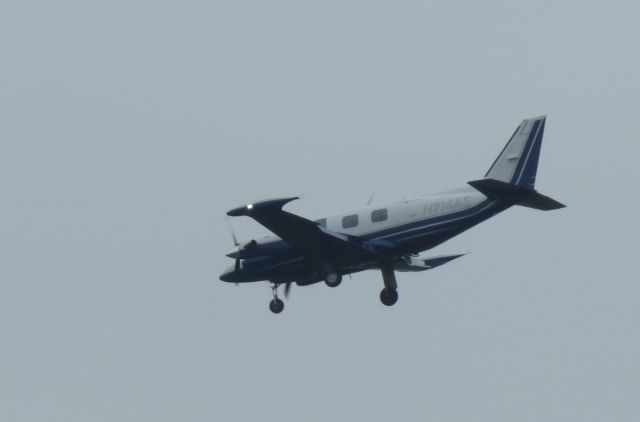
{"x":386,"y":238}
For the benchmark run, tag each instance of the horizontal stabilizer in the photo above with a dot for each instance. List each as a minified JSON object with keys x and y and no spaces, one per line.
{"x":541,"y":202}
{"x":495,"y":189}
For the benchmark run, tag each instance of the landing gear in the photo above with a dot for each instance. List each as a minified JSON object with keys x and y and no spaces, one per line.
{"x":332,"y":279}
{"x":388,"y":296}
{"x":276,"y":305}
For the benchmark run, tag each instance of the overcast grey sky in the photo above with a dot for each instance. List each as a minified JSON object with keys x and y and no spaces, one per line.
{"x":127,"y":129}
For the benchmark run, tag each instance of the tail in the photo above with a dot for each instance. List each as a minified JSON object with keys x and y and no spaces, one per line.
{"x":513,"y":173}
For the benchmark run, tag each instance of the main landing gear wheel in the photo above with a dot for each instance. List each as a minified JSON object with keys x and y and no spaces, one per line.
{"x":388,"y":296}
{"x":332,"y":279}
{"x":276,"y":305}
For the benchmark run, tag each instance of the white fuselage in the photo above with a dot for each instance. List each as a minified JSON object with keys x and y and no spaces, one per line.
{"x":398,"y":214}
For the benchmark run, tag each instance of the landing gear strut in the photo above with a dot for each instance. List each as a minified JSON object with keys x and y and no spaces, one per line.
{"x":276,"y":305}
{"x":389,"y":295}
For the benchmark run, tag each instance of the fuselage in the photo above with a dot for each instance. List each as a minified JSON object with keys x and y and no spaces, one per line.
{"x":406,"y":227}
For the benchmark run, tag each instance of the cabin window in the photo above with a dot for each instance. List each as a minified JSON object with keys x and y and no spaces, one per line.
{"x":350,"y":221}
{"x":379,"y":215}
{"x":322,"y":222}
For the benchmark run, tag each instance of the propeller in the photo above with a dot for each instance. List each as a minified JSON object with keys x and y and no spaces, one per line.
{"x":233,"y":233}
{"x":235,"y":243}
{"x":287,"y":288}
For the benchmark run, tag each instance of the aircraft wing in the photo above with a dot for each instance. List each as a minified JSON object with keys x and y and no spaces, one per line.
{"x":309,"y":236}
{"x":414,"y":264}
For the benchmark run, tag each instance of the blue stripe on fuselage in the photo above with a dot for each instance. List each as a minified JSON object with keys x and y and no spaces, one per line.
{"x":431,"y":234}
{"x":394,"y":231}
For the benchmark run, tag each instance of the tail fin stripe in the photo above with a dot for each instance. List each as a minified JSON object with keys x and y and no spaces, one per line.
{"x":533,"y":140}
{"x":518,"y":162}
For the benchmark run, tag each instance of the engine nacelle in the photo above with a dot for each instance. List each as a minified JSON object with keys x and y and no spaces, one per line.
{"x":239,"y":251}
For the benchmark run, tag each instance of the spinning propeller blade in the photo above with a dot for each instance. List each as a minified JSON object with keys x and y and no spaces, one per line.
{"x":235,"y":243}
{"x":233,"y":234}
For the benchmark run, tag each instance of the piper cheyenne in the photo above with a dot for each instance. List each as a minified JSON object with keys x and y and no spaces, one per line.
{"x":386,"y":238}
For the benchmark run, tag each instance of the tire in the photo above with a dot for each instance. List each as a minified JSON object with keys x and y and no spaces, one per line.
{"x":333,"y":279}
{"x":388,"y":297}
{"x":276,"y":306}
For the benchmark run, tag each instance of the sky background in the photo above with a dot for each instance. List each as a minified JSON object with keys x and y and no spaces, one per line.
{"x":128,"y":129}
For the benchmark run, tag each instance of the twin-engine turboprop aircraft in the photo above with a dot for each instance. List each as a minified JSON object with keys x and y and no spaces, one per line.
{"x":387,"y":238}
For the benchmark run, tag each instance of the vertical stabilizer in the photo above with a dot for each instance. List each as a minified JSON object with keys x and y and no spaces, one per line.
{"x":517,"y":164}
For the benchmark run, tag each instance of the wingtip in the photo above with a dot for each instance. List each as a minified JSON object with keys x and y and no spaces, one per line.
{"x":260,"y":205}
